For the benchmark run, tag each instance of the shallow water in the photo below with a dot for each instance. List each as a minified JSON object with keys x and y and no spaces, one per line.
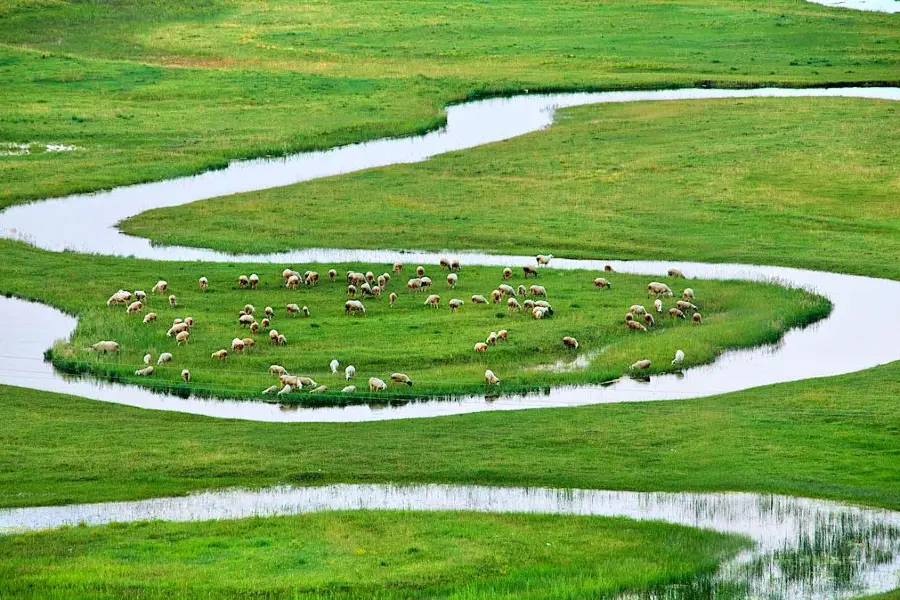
{"x":804,"y":548}
{"x":888,"y":6}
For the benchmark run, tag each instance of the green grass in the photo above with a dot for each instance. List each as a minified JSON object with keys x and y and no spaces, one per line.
{"x":434,"y":347}
{"x":835,"y":438}
{"x":152,"y":89}
{"x":359,"y":554}
{"x":809,"y":183}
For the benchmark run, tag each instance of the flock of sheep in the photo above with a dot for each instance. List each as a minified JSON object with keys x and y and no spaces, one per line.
{"x":368,"y":285}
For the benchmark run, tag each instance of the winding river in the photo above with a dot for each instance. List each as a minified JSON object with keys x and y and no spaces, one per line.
{"x":804,"y":548}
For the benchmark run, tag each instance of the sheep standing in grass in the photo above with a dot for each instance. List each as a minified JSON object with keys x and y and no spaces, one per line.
{"x":513,"y":305}
{"x":507,"y":274}
{"x":281,"y":341}
{"x":538,"y":290}
{"x":506,"y":290}
{"x":382,"y":281}
{"x":478,"y":299}
{"x":161,"y":286}
{"x":496,"y":296}
{"x":176,"y":329}
{"x":491,"y":338}
{"x":254,"y":281}
{"x":312,"y":278}
{"x":349,"y":372}
{"x":454,"y":265}
{"x":398,"y":267}
{"x":305,"y":311}
{"x":539,"y":312}
{"x":655,"y":288}
{"x":173,"y":301}
{"x":246,"y":320}
{"x":503,"y":335}
{"x":648,"y":318}
{"x":135,"y":307}
{"x":366,"y":290}
{"x":401,"y":378}
{"x":249,"y":309}
{"x":521,"y":291}
{"x":455,"y":304}
{"x":629,"y":317}
{"x":243,"y":281}
{"x":293,"y":282}
{"x":204,"y":283}
{"x":140,"y":295}
{"x":351,"y":291}
{"x":528,"y":305}
{"x":248,"y":343}
{"x":292,"y":309}
{"x":679,"y":359}
{"x":254,"y":327}
{"x":237,"y":345}
{"x":105,"y":346}
{"x":698,"y":318}
{"x":277,"y":370}
{"x":332,"y":274}
{"x":637,"y":309}
{"x":147,"y":358}
{"x":269,"y":311}
{"x":601,"y":283}
{"x":120,"y":297}
{"x":426,"y":282}
{"x":287,"y":389}
{"x":334,"y":364}
{"x":273,"y":336}
{"x":687,"y":294}
{"x":319,"y":390}
{"x":354,"y":307}
{"x":675,"y":273}
{"x":433,"y":301}
{"x":265,"y":323}
{"x":608,"y":268}
{"x":189,"y":321}
{"x":635,"y":326}
{"x":657,"y":304}
{"x":350,"y":389}
{"x":685,"y":305}
{"x":451,"y":280}
{"x":675,"y":313}
{"x":529,"y":270}
{"x":414,"y":285}
{"x":186,"y":375}
{"x":164,"y":358}
{"x":393,"y":298}
{"x":182,"y":337}
{"x":641,"y":365}
{"x":490,"y":378}
{"x":376,"y":385}
{"x":444,"y":263}
{"x":220,"y":354}
{"x":481,"y":347}
{"x":287,"y":274}
{"x":145,"y":372}
{"x":570,"y":342}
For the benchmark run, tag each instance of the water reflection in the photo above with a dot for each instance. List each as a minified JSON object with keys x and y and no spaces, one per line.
{"x":804,"y":548}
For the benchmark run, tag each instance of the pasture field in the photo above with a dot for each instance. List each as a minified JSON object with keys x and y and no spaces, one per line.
{"x":360,"y":554}
{"x":148,"y":89}
{"x":435,"y":347}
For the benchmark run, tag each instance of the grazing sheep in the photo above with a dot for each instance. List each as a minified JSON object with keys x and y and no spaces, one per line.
{"x":477,"y":299}
{"x":657,"y":304}
{"x":105,"y":346}
{"x":254,"y":327}
{"x":675,"y":273}
{"x":182,"y":337}
{"x":634,"y":325}
{"x":305,"y":311}
{"x":521,"y":291}
{"x":291,"y":380}
{"x":629,"y":317}
{"x":204,"y":283}
{"x":286,"y":274}
{"x":376,"y":385}
{"x":189,"y":321}
{"x":503,"y":335}
{"x":370,"y":276}
{"x":490,"y":378}
{"x":401,"y":378}
{"x":387,"y":278}
{"x":433,"y":300}
{"x":608,"y":268}
{"x":426,"y":282}
{"x":687,"y":294}
{"x":243,"y":281}
{"x":173,"y":301}
{"x":332,"y":274}
{"x":601,"y":283}
{"x":186,"y":375}
{"x":292,"y":309}
{"x":351,"y":291}
{"x":249,"y":309}
{"x":698,"y":318}
{"x":641,"y":364}
{"x":543,"y":259}
{"x":140,"y":295}
{"x":398,"y":267}
{"x":265,"y":323}
{"x":366,"y":289}
{"x":655,"y":288}
{"x":246,"y":320}
{"x":248,"y":343}
{"x":334,"y":364}
{"x":507,"y":274}
{"x":135,"y":307}
{"x":513,"y":305}
{"x":147,"y":358}
{"x":282,"y":341}
{"x":528,"y":305}
{"x":539,"y":312}
{"x":529,"y":270}
{"x":420,"y":271}
{"x":492,"y":338}
{"x":506,"y":290}
{"x":161,"y":286}
{"x":570,"y":342}
{"x":451,"y":280}
{"x":176,"y":329}
{"x":376,"y":291}
{"x":220,"y":354}
{"x":349,"y":372}
{"x":650,"y":320}
{"x":350,"y":389}
{"x":685,"y":305}
{"x":292,"y":282}
{"x":120,"y":297}
{"x":319,"y":390}
{"x":354,"y":306}
{"x":393,"y":298}
{"x":444,"y":263}
{"x":277,"y":370}
{"x":237,"y":345}
{"x":455,"y":304}
{"x":164,"y":358}
{"x":145,"y":372}
{"x":269,"y":311}
{"x":674,"y":312}
{"x":679,"y":358}
{"x":454,"y":265}
{"x":355,"y":277}
{"x":538,"y":290}
{"x":286,"y":390}
{"x":311,"y":279}
{"x":637,"y":309}
{"x":481,"y":347}
{"x":414,"y":284}
{"x":544,"y":304}
{"x":254,"y":281}
{"x":270,"y":389}
{"x":382,"y":281}
{"x":273,"y":336}
{"x":496,"y":296}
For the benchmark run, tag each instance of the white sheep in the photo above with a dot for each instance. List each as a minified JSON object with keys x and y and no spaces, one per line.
{"x":186,"y":375}
{"x":350,"y":389}
{"x":420,"y":271}
{"x":452,"y":278}
{"x":414,"y":284}
{"x":679,"y":358}
{"x":538,"y":290}
{"x":503,"y":335}
{"x":173,"y":301}
{"x":543,"y":259}
{"x":637,"y":309}
{"x":658,"y":305}
{"x":433,"y":300}
{"x":655,"y":288}
{"x":277,"y":370}
{"x":529,"y":270}
{"x":513,"y":305}
{"x":176,"y":329}
{"x":237,"y":345}
{"x":349,"y":372}
{"x":376,"y":385}
{"x":135,"y":307}
{"x":397,"y":267}
{"x":204,"y":283}
{"x":161,"y":286}
{"x":120,"y":297}
{"x":292,"y":282}
{"x":481,"y":347}
{"x":687,"y":294}
{"x":507,"y":274}
{"x":220,"y":354}
{"x":393,"y":298}
{"x":319,"y":390}
{"x":675,"y":273}
{"x":698,"y":318}
{"x":292,"y":309}
{"x":254,"y":281}
{"x":145,"y":372}
{"x":641,"y":364}
{"x":287,"y":389}
{"x":147,"y":358}
{"x":281,"y":341}
{"x":140,"y":295}
{"x":491,"y":338}
{"x":354,"y":306}
{"x":478,"y":299}
{"x":243,"y":281}
{"x":455,"y":304}
{"x":164,"y":358}
{"x":602,"y":283}
{"x":634,"y":325}
{"x":182,"y":337}
{"x":334,"y":364}
{"x":570,"y":342}
{"x":332,"y":274}
{"x":490,"y":378}
{"x":106,"y":346}
{"x":270,"y":389}
{"x":246,"y":320}
{"x":506,"y":290}
{"x":401,"y":378}
{"x":685,"y":305}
